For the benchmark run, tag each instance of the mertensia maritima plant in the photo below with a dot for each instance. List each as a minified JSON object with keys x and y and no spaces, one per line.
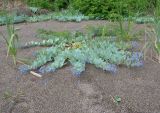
{"x":81,"y":50}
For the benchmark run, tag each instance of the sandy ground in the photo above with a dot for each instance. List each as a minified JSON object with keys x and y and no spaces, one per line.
{"x":61,"y":92}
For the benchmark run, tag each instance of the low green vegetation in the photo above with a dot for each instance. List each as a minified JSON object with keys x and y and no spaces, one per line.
{"x":66,"y":15}
{"x":122,"y":32}
{"x":77,"y":10}
{"x":143,"y":20}
{"x":78,"y":50}
{"x":44,"y":34}
{"x":16,"y":19}
{"x":7,"y":95}
{"x":106,"y":47}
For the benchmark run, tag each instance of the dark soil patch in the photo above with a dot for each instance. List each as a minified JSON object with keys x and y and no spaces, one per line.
{"x":61,"y":92}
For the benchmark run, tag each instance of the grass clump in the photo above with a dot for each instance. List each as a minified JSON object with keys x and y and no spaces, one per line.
{"x":12,"y":39}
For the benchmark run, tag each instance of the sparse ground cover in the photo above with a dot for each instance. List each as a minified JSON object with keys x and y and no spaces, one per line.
{"x":73,"y":61}
{"x":93,"y":91}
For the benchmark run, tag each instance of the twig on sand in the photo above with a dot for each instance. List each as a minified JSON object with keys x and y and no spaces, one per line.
{"x":35,"y":74}
{"x":112,"y":98}
{"x":31,"y":72}
{"x":18,"y":61}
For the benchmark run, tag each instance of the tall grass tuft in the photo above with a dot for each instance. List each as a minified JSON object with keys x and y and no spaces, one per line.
{"x":11,"y":39}
{"x":152,"y":33}
{"x":157,"y":27}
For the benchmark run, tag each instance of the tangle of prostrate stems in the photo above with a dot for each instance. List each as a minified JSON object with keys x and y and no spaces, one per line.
{"x":78,"y":51}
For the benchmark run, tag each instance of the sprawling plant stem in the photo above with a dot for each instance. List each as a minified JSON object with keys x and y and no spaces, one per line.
{"x":80,"y":50}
